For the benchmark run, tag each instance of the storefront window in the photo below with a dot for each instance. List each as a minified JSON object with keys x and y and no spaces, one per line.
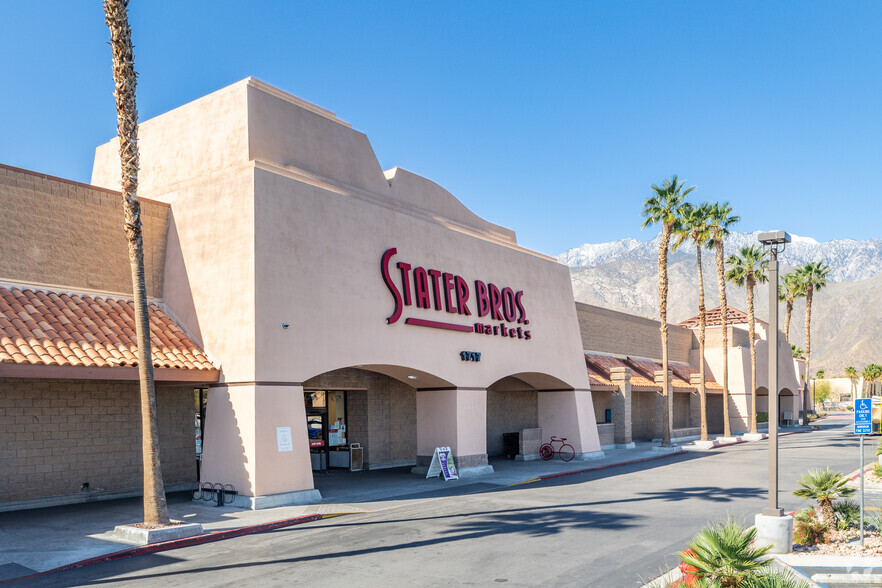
{"x":336,"y":419}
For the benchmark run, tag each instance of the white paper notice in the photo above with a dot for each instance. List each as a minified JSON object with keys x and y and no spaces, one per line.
{"x":283,"y":438}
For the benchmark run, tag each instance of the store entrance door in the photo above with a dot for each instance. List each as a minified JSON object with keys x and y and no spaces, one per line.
{"x":326,"y":427}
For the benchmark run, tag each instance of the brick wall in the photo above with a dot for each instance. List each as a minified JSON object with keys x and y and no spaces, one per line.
{"x":643,"y":415}
{"x":602,"y":401}
{"x":57,"y":434}
{"x":509,"y":411}
{"x":62,"y":233}
{"x":682,"y":412}
{"x":610,"y":331}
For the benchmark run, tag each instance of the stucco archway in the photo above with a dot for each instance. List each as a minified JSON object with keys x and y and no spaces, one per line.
{"x":788,"y":404}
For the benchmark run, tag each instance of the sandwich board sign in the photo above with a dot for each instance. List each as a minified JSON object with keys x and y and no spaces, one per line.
{"x":442,"y":463}
{"x":863,"y":416}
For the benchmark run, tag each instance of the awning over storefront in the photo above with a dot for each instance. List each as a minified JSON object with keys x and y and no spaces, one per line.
{"x":642,"y":373}
{"x":49,"y":334}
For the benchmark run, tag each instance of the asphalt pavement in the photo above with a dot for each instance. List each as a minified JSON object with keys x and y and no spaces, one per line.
{"x":613,"y":527}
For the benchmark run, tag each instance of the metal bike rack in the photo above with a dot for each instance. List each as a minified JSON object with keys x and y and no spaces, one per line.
{"x":216,"y":492}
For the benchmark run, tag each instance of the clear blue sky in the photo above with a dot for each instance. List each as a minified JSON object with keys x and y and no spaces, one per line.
{"x":550,"y":118}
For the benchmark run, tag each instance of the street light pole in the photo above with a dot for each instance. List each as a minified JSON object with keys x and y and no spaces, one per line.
{"x":772,"y":510}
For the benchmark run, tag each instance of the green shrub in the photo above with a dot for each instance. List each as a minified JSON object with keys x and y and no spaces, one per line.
{"x":821,"y":391}
{"x":762,"y":417}
{"x":877,"y":469}
{"x":724,"y":553}
{"x":808,"y":528}
{"x":776,"y":579}
{"x":848,"y":514}
{"x":874,"y":519}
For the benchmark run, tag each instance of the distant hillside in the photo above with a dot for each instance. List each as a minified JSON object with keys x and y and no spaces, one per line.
{"x":846,"y":325}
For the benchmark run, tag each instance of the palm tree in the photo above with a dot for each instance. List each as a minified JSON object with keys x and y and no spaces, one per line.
{"x":871,"y":373}
{"x":797,"y":352}
{"x":852,"y":374}
{"x":723,"y":554}
{"x":813,"y":277}
{"x":693,"y":226}
{"x":719,"y":222}
{"x":825,"y":486}
{"x":663,"y":208}
{"x":748,"y":268}
{"x":124,"y":77}
{"x":789,"y":290}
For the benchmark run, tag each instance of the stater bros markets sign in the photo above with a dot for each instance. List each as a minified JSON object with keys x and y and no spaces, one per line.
{"x":432,"y":289}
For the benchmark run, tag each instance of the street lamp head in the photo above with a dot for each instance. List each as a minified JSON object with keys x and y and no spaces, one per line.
{"x":774,"y":238}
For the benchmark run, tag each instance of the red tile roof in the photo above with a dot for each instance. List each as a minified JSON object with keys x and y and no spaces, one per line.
{"x":603,"y":363}
{"x":714,"y":318}
{"x":59,"y":329}
{"x":684,"y":372}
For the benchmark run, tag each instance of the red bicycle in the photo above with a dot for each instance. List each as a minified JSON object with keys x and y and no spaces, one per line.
{"x":566,"y":451}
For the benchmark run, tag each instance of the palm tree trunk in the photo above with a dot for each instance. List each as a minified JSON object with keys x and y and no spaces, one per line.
{"x":125,"y":79}
{"x":828,"y":514}
{"x":809,"y":401}
{"x":721,"y":283}
{"x":668,"y":410}
{"x":702,"y":323}
{"x":787,"y":315}
{"x":751,"y":326}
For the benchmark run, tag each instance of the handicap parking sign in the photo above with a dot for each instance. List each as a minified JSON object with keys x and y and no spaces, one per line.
{"x":863,"y":416}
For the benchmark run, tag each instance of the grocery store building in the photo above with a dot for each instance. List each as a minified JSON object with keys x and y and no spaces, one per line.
{"x":318,"y":300}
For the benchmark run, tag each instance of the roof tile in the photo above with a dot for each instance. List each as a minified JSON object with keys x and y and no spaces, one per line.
{"x":55,"y":328}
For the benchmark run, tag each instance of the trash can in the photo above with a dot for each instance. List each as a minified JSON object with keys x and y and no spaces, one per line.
{"x":511,"y":444}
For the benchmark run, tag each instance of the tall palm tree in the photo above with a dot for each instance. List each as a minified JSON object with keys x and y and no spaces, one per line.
{"x":789,"y":290}
{"x":719,"y":222}
{"x":748,"y":268}
{"x":813,"y":277}
{"x":852,"y":374}
{"x":693,"y":227}
{"x":663,"y":208}
{"x":116,"y":17}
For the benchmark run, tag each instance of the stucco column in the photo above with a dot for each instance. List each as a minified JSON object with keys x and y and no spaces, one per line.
{"x":695,"y":401}
{"x":256,"y":440}
{"x":658,"y":420}
{"x":456,"y":419}
{"x":621,"y":406}
{"x":570,"y":414}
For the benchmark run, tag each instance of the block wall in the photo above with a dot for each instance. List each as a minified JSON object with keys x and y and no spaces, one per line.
{"x":56,"y":435}
{"x":643,"y":415}
{"x":62,"y":233}
{"x":602,"y":401}
{"x":610,"y":331}
{"x":509,"y":411}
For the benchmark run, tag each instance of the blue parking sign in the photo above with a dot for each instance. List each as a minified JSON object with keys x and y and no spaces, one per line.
{"x":863,"y":416}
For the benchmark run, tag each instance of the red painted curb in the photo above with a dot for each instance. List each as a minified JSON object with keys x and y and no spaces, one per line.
{"x":176,"y":543}
{"x":605,"y":467}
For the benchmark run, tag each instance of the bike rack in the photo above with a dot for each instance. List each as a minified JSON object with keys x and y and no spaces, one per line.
{"x":216,"y":492}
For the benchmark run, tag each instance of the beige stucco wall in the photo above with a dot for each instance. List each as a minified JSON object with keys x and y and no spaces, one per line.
{"x":611,"y":331}
{"x":64,"y":234}
{"x":56,"y":435}
{"x":281,"y":215}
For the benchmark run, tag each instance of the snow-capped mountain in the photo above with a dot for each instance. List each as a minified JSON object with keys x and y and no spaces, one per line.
{"x":847,"y":317}
{"x":849,"y":260}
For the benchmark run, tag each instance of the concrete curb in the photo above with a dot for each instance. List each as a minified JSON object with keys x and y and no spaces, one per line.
{"x":185,"y":542}
{"x":596,"y":468}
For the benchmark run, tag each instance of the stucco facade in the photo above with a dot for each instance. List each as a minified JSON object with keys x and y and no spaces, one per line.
{"x":281,"y":215}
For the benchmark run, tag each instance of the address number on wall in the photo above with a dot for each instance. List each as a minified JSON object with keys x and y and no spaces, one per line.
{"x":470,"y":355}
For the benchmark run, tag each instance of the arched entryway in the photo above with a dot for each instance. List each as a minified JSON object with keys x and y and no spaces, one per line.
{"x":512,"y":407}
{"x":373,"y":406}
{"x":788,"y":407}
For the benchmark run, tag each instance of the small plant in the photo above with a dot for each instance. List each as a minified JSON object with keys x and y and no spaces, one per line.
{"x":877,"y":470}
{"x":825,"y":486}
{"x":808,"y":528}
{"x":762,"y":417}
{"x":848,"y":514}
{"x":879,"y":448}
{"x":689,"y":572}
{"x":874,"y":519}
{"x":776,"y":579}
{"x":723,"y":554}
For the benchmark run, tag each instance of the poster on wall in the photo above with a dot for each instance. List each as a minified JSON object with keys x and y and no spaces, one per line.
{"x":283,"y":438}
{"x":442,"y":463}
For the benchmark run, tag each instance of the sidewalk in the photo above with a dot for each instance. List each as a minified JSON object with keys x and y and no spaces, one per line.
{"x":39,"y":540}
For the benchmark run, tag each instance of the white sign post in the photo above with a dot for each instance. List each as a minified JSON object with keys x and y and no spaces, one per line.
{"x":863,"y":425}
{"x":442,"y":463}
{"x":283,"y":438}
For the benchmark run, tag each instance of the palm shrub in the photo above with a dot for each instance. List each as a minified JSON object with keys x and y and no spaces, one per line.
{"x":723,"y":554}
{"x":825,"y":486}
{"x":808,"y":529}
{"x":874,"y":519}
{"x":774,"y":579}
{"x":848,"y":514}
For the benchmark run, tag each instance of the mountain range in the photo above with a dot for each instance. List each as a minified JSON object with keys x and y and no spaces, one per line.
{"x":846,"y":314}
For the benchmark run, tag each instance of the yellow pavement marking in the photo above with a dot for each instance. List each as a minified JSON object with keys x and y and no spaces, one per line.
{"x":531,"y":480}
